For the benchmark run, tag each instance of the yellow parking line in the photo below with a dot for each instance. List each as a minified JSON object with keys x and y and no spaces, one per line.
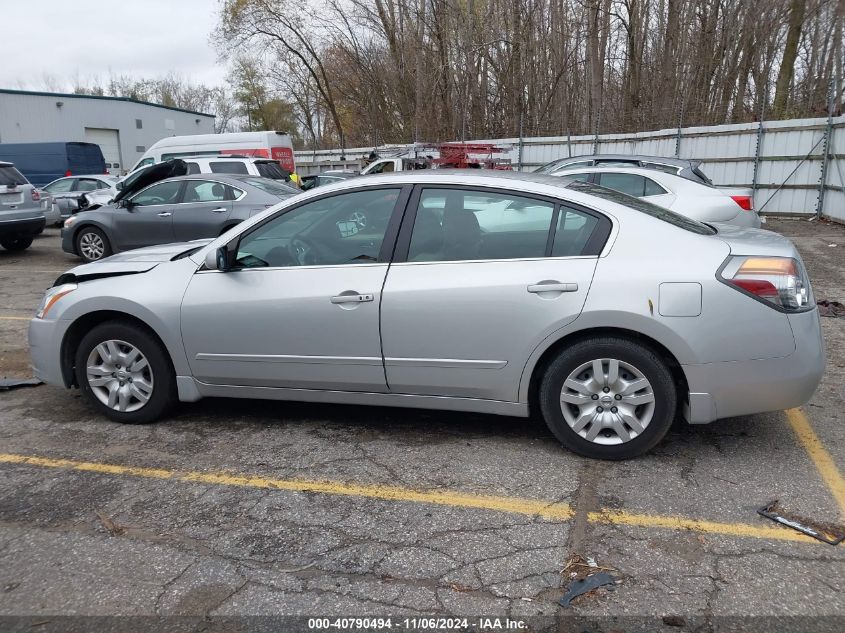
{"x":821,"y":457}
{"x":513,"y":505}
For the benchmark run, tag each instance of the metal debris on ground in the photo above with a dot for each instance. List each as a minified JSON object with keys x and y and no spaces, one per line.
{"x":824,"y":532}
{"x":13,"y":383}
{"x":586,"y":576}
{"x":830,"y":308}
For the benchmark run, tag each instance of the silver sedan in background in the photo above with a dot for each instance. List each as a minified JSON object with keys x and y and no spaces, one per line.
{"x":67,"y":192}
{"x":695,"y":200}
{"x":491,"y":292}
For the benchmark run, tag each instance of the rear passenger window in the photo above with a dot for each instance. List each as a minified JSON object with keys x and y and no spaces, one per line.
{"x":632,"y":184}
{"x":455,"y":225}
{"x":203,"y":191}
{"x":573,"y":231}
{"x":193,"y":168}
{"x":228,"y":167}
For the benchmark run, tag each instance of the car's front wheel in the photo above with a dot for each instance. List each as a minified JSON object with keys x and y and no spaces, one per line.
{"x":92,"y":244}
{"x":16,"y":243}
{"x":608,"y":398}
{"x":125,"y":373}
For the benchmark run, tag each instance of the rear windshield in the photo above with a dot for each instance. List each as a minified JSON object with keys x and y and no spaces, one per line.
{"x":11,"y":177}
{"x":552,"y":166}
{"x":228,"y":167}
{"x":270,"y":186}
{"x":697,"y":171}
{"x":270,"y":170}
{"x":642,"y":206}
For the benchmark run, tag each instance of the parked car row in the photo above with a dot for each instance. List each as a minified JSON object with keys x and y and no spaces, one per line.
{"x":118,"y":215}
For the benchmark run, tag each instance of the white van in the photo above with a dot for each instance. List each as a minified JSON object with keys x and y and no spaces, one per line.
{"x":275,"y":145}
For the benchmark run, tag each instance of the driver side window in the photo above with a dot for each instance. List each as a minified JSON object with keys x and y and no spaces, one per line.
{"x":348,"y":228}
{"x":161,"y":193}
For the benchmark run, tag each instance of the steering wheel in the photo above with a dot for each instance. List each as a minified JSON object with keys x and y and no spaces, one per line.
{"x":359,"y":218}
{"x":302,"y":250}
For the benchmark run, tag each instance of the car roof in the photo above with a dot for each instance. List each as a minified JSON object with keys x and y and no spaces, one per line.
{"x":3,"y":163}
{"x":676,"y":162}
{"x":642,"y":171}
{"x":97,"y":176}
{"x":226,"y":157}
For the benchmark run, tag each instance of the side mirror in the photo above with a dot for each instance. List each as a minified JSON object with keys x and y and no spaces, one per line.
{"x":218,"y":259}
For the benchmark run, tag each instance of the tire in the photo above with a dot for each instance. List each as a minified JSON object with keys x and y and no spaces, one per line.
{"x":628,"y":419}
{"x":104,"y":347}
{"x":16,"y":243}
{"x":92,"y":244}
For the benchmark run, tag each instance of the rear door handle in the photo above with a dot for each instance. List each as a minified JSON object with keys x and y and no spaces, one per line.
{"x":165,"y":214}
{"x":553,"y":286}
{"x":351,"y":298}
{"x":219,"y":210}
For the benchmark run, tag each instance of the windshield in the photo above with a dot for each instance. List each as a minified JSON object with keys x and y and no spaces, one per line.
{"x":270,"y":186}
{"x":11,"y":177}
{"x":642,"y":206}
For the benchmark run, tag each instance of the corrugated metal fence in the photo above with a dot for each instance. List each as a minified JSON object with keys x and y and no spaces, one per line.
{"x":783,"y":161}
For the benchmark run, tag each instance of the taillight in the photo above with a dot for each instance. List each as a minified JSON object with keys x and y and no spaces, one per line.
{"x":36,"y":195}
{"x":67,"y":173}
{"x":778,"y":281}
{"x":745,"y":203}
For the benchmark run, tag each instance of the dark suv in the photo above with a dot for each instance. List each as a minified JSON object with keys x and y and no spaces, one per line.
{"x":21,"y":217}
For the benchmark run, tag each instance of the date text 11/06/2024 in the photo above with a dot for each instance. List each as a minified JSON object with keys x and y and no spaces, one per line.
{"x":417,"y":624}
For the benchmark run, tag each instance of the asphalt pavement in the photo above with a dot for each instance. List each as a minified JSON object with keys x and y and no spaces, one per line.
{"x":237,"y":508}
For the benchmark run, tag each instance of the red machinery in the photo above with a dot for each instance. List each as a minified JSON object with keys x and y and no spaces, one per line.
{"x":471,"y":156}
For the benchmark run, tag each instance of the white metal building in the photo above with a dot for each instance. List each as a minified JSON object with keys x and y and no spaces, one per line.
{"x":124,"y":128}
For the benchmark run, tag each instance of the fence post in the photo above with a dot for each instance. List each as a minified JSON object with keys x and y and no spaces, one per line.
{"x":569,"y":143}
{"x":680,"y":123}
{"x":828,"y":130}
{"x":519,"y":150}
{"x":758,"y":149}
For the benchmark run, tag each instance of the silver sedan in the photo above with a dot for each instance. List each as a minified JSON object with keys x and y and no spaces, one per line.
{"x":488,"y":292}
{"x":695,"y":200}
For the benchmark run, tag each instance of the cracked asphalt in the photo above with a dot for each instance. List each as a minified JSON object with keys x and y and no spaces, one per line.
{"x":94,"y":542}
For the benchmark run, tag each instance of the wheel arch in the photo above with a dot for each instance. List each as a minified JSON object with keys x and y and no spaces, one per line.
{"x":85,"y":224}
{"x":544,"y":355}
{"x":83,"y":324}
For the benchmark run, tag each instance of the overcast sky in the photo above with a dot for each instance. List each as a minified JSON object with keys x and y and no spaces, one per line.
{"x":46,"y":41}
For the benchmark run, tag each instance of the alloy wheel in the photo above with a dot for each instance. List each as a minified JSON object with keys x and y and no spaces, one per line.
{"x":119,"y":376}
{"x":92,"y":246}
{"x":607,"y":401}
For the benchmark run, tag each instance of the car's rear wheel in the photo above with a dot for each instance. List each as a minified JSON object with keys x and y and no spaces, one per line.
{"x":16,"y":243}
{"x":608,"y":398}
{"x":124,"y":373}
{"x":92,"y":244}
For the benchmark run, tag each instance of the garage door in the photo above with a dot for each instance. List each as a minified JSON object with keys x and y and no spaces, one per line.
{"x":109,"y":142}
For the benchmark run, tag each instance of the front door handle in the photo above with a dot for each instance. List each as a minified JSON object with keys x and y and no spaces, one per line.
{"x":165,"y":214}
{"x":219,"y":210}
{"x":351,"y":298}
{"x":552,"y":286}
